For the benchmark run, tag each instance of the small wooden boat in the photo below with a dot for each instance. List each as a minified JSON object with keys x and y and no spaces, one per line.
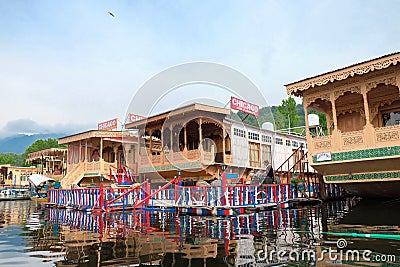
{"x":14,"y":194}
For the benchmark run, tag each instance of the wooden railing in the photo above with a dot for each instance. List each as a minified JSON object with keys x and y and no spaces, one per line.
{"x":367,"y":138}
{"x":186,"y":156}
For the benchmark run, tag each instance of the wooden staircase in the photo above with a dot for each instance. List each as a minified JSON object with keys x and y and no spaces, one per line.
{"x":73,"y":177}
{"x":297,"y":162}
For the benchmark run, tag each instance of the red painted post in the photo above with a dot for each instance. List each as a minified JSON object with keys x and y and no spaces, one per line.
{"x":101,"y":200}
{"x":223,"y":185}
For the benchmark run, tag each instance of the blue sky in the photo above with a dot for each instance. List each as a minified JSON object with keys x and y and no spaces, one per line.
{"x":66,"y":65}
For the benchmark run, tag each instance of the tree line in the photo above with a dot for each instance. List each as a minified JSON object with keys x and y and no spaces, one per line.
{"x":20,"y":159}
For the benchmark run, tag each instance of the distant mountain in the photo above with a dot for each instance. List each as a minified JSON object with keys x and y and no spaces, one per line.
{"x":18,"y":143}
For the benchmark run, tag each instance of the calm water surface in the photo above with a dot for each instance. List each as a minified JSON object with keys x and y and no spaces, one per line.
{"x":33,"y":235}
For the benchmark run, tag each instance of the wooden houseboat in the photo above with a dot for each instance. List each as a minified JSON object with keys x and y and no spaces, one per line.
{"x":200,"y":141}
{"x":361,"y":150}
{"x":50,"y":161}
{"x":16,"y":176}
{"x":97,"y":154}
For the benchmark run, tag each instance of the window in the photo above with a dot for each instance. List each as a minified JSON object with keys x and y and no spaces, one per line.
{"x":254,"y":136}
{"x":288,"y":142}
{"x":254,"y":154}
{"x":302,"y":144}
{"x":239,"y":132}
{"x":295,"y":144}
{"x":278,"y":141}
{"x":391,"y":118}
{"x":267,"y":139}
{"x":266,"y":153}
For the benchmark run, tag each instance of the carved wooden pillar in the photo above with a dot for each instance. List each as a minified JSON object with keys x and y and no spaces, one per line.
{"x":366,"y":107}
{"x":200,"y":134}
{"x":184,"y":138}
{"x":223,"y":143}
{"x":171,"y":138}
{"x":101,"y":148}
{"x":80,"y":151}
{"x":86,"y":152}
{"x":333,"y":101}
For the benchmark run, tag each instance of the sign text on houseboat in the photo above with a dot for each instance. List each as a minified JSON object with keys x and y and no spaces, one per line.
{"x":108,"y":125}
{"x":244,"y":106}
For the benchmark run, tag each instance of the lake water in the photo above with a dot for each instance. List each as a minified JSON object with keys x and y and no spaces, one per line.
{"x":33,"y":235}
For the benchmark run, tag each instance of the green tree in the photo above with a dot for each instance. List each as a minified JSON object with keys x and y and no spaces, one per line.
{"x":286,"y":114}
{"x":41,"y":144}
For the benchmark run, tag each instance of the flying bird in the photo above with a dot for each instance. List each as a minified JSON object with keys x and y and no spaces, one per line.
{"x":111,"y":14}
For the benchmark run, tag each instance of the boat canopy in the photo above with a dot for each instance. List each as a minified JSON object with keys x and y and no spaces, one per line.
{"x":38,"y":179}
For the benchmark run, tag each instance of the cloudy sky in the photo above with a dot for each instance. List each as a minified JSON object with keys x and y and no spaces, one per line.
{"x":66,"y":65}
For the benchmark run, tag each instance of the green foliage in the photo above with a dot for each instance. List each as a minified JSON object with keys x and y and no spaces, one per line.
{"x":287,"y":115}
{"x":12,"y":159}
{"x":42,"y":144}
{"x":19,"y":159}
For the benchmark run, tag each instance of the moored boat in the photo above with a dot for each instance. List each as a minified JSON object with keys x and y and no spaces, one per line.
{"x":14,"y":194}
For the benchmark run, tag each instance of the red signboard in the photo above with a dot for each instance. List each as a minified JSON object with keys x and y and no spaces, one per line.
{"x":108,"y":125}
{"x":134,"y":117}
{"x":244,"y":106}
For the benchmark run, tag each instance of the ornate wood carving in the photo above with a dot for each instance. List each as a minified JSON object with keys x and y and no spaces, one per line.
{"x":362,"y":68}
{"x":353,"y":89}
{"x":387,"y":136}
{"x":386,"y":81}
{"x":322,"y":144}
{"x":352,"y":140}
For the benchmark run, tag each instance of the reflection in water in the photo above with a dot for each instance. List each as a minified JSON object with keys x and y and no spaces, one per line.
{"x":31,"y":234}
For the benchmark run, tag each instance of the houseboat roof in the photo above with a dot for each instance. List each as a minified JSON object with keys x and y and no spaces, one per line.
{"x":178,"y":111}
{"x":297,"y":88}
{"x":47,"y":152}
{"x":117,"y":136}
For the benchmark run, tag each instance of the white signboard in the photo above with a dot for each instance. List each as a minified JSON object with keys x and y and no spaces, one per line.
{"x":324,"y":156}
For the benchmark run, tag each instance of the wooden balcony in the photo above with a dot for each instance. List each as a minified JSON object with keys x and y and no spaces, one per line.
{"x":186,"y":158}
{"x":100,"y":167}
{"x":368,"y":143}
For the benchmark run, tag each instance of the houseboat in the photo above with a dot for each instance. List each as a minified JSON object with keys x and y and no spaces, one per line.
{"x":14,"y":194}
{"x":361,"y":149}
{"x":14,"y":176}
{"x":50,"y":161}
{"x":97,"y":155}
{"x":200,"y":141}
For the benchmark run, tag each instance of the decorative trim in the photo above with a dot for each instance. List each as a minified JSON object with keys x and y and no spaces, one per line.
{"x":184,"y":166}
{"x":363,"y":154}
{"x":353,"y":89}
{"x":341,"y":74}
{"x":386,"y":81}
{"x":322,"y":144}
{"x":352,"y":140}
{"x":387,"y":136}
{"x":363,"y":176}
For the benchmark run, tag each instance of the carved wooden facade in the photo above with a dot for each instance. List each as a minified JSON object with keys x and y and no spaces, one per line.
{"x":362,"y":107}
{"x":115,"y":148}
{"x":200,"y":139}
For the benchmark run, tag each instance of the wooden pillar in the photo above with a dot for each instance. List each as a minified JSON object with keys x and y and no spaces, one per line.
{"x":86,"y":152}
{"x":101,"y":148}
{"x":223,"y":143}
{"x":184,"y":138}
{"x":200,"y":135}
{"x":335,"y":125}
{"x":80,"y":151}
{"x":366,"y":107}
{"x":171,"y":137}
